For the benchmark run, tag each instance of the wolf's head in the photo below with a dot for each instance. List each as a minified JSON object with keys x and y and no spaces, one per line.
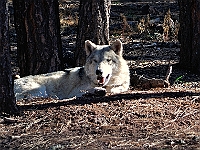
{"x":102,"y":61}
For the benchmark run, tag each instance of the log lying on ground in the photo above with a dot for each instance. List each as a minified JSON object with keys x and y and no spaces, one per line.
{"x":146,"y":83}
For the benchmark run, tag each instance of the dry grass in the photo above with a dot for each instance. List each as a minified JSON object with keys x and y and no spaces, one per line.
{"x":170,"y":28}
{"x":68,"y":15}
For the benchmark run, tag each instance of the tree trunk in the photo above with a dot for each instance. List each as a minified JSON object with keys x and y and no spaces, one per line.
{"x":7,"y":98}
{"x":93,"y":25}
{"x":38,"y":36}
{"x":190,"y":35}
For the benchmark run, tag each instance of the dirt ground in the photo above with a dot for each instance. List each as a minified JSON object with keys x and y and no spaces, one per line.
{"x":155,"y":118}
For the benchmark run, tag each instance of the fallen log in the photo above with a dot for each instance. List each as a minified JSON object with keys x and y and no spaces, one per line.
{"x":146,"y":83}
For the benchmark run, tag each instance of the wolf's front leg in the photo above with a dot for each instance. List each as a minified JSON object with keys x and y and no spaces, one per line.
{"x":117,"y":89}
{"x":97,"y":91}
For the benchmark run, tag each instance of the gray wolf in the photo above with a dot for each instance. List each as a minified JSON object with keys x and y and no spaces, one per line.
{"x":104,"y":70}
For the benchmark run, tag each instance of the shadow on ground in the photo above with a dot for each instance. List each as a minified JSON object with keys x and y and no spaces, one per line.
{"x":117,"y":97}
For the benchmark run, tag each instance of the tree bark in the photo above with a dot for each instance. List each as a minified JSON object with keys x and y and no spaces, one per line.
{"x":93,"y":25}
{"x":7,"y":98}
{"x":38,"y":36}
{"x":190,"y":35}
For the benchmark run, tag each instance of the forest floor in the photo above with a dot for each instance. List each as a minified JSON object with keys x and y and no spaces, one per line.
{"x":155,"y":118}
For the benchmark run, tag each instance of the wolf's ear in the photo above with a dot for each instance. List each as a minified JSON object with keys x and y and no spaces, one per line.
{"x":89,"y":47}
{"x":117,"y":47}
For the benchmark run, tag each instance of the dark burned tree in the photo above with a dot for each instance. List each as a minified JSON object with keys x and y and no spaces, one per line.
{"x":38,"y":36}
{"x":190,"y":35}
{"x":7,"y":98}
{"x":93,"y":25}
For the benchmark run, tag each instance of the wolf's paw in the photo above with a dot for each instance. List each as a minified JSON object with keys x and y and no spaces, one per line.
{"x":97,"y":91}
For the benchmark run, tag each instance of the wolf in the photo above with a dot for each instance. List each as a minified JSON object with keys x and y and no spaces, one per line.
{"x":105,"y":70}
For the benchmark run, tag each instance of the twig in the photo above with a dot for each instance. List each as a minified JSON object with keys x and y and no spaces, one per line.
{"x":169,"y":71}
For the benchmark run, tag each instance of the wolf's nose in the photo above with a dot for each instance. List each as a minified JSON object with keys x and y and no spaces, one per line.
{"x":99,"y":72}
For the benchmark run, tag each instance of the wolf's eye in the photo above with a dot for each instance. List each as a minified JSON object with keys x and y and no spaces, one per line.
{"x":108,"y":60}
{"x":95,"y":60}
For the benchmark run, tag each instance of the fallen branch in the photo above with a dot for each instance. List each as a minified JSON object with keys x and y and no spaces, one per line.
{"x":146,"y":83}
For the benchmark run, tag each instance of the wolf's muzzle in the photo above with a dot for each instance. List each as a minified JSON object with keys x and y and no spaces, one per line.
{"x":99,"y":72}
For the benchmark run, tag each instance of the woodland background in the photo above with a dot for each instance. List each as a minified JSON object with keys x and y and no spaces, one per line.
{"x":142,"y":118}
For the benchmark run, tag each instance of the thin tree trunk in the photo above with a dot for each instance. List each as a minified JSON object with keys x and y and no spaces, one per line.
{"x":38,"y":36}
{"x":93,"y":25}
{"x":7,"y":98}
{"x":190,"y":35}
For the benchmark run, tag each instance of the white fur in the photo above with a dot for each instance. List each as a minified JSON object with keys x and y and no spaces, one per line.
{"x":77,"y":81}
